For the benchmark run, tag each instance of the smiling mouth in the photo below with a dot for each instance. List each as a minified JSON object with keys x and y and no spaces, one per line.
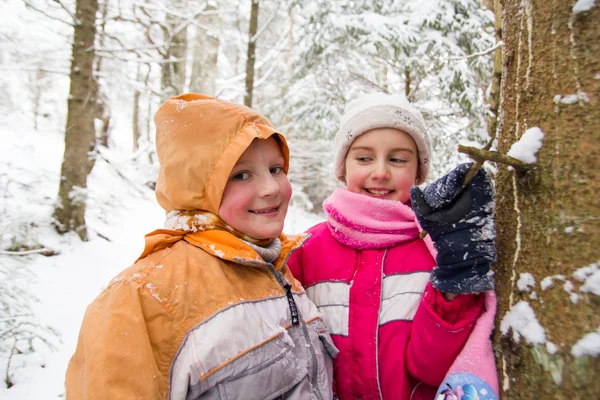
{"x":265,"y":210}
{"x":378,"y":192}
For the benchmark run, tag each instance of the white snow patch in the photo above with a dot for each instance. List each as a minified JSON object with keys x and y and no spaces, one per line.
{"x":571,"y":98}
{"x":218,"y":253}
{"x":568,"y":286}
{"x":522,"y":321}
{"x":589,"y":345}
{"x":526,"y":282}
{"x":528,"y":146}
{"x":583,"y":6}
{"x":590,"y":276}
{"x":548,"y":281}
{"x":551,"y":347}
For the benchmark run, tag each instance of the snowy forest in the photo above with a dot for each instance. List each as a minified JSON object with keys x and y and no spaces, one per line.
{"x":81,"y":79}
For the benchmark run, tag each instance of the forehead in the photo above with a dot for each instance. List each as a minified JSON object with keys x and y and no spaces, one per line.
{"x":386,"y":138}
{"x":260,"y":149}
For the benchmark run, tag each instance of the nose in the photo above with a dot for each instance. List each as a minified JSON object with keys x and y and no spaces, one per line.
{"x":268,"y":187}
{"x":380,"y":171}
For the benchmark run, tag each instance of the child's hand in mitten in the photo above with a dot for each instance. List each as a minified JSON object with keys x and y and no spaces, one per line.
{"x":461,"y":226}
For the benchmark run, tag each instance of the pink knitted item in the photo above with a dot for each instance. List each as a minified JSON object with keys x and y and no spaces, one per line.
{"x":374,"y":223}
{"x":474,"y":370}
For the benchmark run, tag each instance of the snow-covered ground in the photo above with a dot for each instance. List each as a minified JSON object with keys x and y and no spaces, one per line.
{"x":121,"y":211}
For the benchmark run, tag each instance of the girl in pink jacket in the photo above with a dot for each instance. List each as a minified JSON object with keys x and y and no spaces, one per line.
{"x":398,"y":309}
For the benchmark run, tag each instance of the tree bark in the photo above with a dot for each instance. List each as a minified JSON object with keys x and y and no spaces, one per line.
{"x":80,"y":136}
{"x":251,"y":59}
{"x":206,"y":52}
{"x":497,"y":74}
{"x":548,"y":218}
{"x":173,"y":70}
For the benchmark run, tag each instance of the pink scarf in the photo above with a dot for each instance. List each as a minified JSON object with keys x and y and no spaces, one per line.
{"x":363,"y":222}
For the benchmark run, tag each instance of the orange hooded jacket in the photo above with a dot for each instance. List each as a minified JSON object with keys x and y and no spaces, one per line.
{"x":201,"y":315}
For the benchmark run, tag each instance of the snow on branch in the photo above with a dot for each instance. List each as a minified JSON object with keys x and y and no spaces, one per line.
{"x":43,"y":251}
{"x":479,"y":53}
{"x":74,"y":20}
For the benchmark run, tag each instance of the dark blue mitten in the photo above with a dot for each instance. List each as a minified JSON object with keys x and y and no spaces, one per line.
{"x":461,"y":226}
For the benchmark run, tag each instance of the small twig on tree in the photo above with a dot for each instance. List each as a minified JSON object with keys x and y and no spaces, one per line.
{"x":50,"y":16}
{"x":478,"y":54}
{"x":482,"y":155}
{"x":75,"y":19}
{"x":262,"y":30}
{"x":7,"y":379}
{"x":369,"y":82}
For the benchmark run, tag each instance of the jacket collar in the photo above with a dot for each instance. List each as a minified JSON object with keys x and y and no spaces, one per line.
{"x":221,"y":244}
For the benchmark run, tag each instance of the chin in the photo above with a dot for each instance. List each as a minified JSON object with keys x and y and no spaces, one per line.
{"x":267,"y":233}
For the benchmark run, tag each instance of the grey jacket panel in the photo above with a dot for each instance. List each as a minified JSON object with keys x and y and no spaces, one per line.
{"x":284,"y":366}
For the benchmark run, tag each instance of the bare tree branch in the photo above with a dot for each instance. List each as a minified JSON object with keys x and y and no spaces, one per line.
{"x":73,"y":17}
{"x":266,"y":25}
{"x":478,"y":54}
{"x":44,"y":251}
{"x":50,"y":16}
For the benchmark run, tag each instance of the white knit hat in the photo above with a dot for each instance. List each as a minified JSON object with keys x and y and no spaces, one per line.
{"x":379,"y":110}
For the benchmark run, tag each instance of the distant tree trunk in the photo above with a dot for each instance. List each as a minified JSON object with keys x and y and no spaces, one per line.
{"x":80,"y":136}
{"x":136,"y":120}
{"x":548,"y":219}
{"x":497,"y":74}
{"x":173,"y":69}
{"x":251,"y":59}
{"x":206,"y":52}
{"x":103,"y":105}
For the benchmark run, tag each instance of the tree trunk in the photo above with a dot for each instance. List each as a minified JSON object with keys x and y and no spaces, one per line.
{"x":251,"y":53}
{"x":103,"y":104}
{"x":206,"y":52}
{"x":548,"y":219}
{"x":173,"y":70}
{"x":136,"y":120}
{"x":497,"y":74}
{"x":80,"y":136}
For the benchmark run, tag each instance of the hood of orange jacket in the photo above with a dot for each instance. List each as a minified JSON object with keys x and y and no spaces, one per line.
{"x":198,"y":141}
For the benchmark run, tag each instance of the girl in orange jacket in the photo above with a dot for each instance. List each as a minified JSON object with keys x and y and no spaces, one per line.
{"x":210,"y":310}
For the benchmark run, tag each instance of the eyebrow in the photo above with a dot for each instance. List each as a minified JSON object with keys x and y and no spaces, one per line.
{"x":392,"y":150}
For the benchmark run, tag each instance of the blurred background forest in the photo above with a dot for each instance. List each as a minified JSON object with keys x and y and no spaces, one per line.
{"x":80,"y":81}
{"x":298,"y":62}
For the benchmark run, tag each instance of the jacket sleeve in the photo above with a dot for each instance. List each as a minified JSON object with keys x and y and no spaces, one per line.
{"x":439,"y":331}
{"x":114,"y":356}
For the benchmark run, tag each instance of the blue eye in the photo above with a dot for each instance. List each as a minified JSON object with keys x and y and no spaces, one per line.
{"x":398,"y":160}
{"x":241,"y":176}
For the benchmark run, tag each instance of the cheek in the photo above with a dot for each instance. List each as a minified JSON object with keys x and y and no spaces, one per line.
{"x":355,"y":176}
{"x":234,"y":203}
{"x":286,"y":189}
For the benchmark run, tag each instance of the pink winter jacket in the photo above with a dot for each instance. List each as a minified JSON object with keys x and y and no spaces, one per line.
{"x":396,"y":334}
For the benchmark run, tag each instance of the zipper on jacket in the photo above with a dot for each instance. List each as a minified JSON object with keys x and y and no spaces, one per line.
{"x":377,"y":329}
{"x":292,"y":304}
{"x":299,"y":321}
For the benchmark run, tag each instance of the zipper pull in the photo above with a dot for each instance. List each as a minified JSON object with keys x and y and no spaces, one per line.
{"x":292,"y":303}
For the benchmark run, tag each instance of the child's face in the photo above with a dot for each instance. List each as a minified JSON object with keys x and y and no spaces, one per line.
{"x":255,"y":199}
{"x":382,"y":163}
